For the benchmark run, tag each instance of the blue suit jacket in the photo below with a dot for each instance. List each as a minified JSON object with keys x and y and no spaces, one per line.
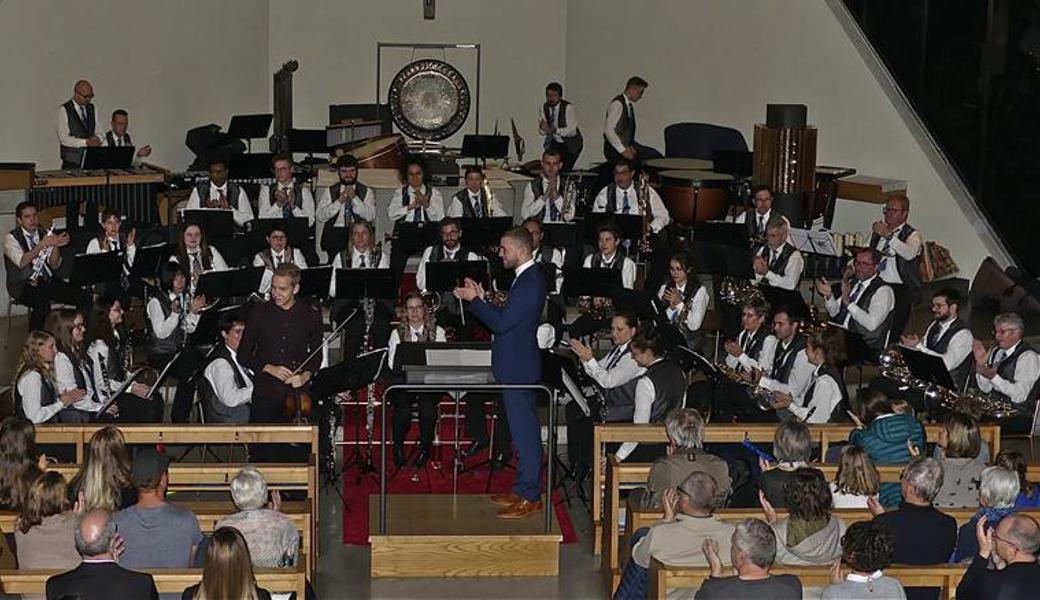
{"x":515,"y":357}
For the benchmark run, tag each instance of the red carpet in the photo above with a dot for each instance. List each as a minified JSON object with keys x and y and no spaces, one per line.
{"x":430,"y":480}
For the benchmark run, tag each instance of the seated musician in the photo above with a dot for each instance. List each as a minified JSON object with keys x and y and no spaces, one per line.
{"x":227,"y":385}
{"x":449,"y":250}
{"x":111,"y":239}
{"x":614,"y":396}
{"x":623,"y":197}
{"x":173,"y":315}
{"x":778,"y":263}
{"x":195,"y":255}
{"x":361,"y":253}
{"x":278,"y":251}
{"x":31,"y":280}
{"x":220,"y":193}
{"x":73,"y":370}
{"x":472,"y":201}
{"x":77,"y":125}
{"x":608,"y":257}
{"x":948,"y":337}
{"x":419,"y":325}
{"x":556,"y":307}
{"x":345,"y":201}
{"x":759,"y":218}
{"x":660,"y":390}
{"x":416,"y":202}
{"x":544,"y":196}
{"x":865,"y":306}
{"x":1010,"y":372}
{"x":285,"y":198}
{"x":685,"y":300}
{"x":118,"y":136}
{"x":36,"y":396}
{"x":900,"y":246}
{"x":110,"y":352}
{"x":754,"y":348}
{"x":826,"y":399}
{"x":791,"y":371}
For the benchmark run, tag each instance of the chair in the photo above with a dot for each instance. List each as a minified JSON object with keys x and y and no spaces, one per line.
{"x":701,"y":140}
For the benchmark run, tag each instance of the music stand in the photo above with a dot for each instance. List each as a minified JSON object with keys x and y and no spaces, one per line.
{"x":485,"y":147}
{"x":296,"y":231}
{"x":721,"y":249}
{"x":357,"y":284}
{"x":446,"y":276}
{"x":206,"y":330}
{"x":149,"y":259}
{"x":314,"y":281}
{"x":561,"y":235}
{"x":484,"y":232}
{"x":98,"y":158}
{"x":927,"y":367}
{"x":308,"y":141}
{"x":790,"y":300}
{"x":245,"y":167}
{"x":91,"y":269}
{"x":630,"y":226}
{"x":250,"y":127}
{"x":230,"y":283}
{"x":553,"y":368}
{"x":737,"y":163}
{"x":218,"y":223}
{"x":415,"y":237}
{"x":604,"y":283}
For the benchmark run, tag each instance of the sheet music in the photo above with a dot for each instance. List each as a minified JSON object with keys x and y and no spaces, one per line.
{"x":458,"y":358}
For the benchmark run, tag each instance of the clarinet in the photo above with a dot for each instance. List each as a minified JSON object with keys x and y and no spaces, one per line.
{"x":369,"y":306}
{"x":106,"y":384}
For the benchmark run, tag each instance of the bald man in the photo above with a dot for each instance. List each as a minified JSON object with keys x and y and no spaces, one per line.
{"x":1006,"y":565}
{"x":77,"y":125}
{"x":99,"y":577}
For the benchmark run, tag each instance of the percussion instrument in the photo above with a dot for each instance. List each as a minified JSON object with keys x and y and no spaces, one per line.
{"x":381,"y":152}
{"x":684,"y":164}
{"x":694,"y":196}
{"x":129,"y":192}
{"x":429,"y":99}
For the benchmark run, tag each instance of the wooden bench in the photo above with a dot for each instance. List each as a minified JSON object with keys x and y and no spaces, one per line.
{"x":34,"y":581}
{"x":946,"y":577}
{"x":723,"y":433}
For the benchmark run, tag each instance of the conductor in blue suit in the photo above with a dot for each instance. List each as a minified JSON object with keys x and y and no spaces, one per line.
{"x":516,"y":359}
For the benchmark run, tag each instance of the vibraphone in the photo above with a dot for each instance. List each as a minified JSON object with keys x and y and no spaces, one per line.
{"x":131,"y":192}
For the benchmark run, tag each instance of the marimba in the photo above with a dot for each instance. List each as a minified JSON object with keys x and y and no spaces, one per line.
{"x":131,"y":192}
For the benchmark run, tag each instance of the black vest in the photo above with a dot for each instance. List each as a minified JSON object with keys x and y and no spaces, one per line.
{"x":909,"y":270}
{"x":619,"y":401}
{"x":297,"y":190}
{"x":437,"y":253}
{"x":758,"y":340}
{"x":220,"y":412}
{"x":232,"y":194}
{"x":751,"y":221}
{"x":83,"y":372}
{"x":468,"y":210}
{"x":267,"y":256}
{"x":876,"y":338}
{"x":360,"y":191}
{"x":783,"y":362}
{"x":346,"y":258}
{"x":633,"y":200}
{"x":48,"y":396}
{"x":77,"y":129}
{"x":619,"y":261}
{"x":573,"y":143}
{"x":405,"y":201}
{"x":17,"y":277}
{"x":171,"y":343}
{"x":205,"y":256}
{"x":778,"y":266}
{"x":961,"y":372}
{"x":1006,"y":369}
{"x":626,"y":125}
{"x":538,"y":189}
{"x":669,"y":388}
{"x":110,"y":139}
{"x":838,"y":413}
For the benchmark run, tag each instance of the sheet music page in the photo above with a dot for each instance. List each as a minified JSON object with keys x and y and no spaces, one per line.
{"x":443,"y":358}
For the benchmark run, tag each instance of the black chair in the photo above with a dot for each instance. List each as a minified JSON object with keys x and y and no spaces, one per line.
{"x":701,"y":140}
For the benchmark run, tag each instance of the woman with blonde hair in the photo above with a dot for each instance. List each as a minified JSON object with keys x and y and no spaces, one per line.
{"x":227,"y":573}
{"x":19,"y":464}
{"x":44,"y":529}
{"x":36,"y":395}
{"x":961,"y":442}
{"x":856,"y":481}
{"x":103,"y":479}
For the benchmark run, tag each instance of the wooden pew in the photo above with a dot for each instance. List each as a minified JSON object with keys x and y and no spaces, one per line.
{"x":722,"y":433}
{"x":946,"y":577}
{"x":34,"y":581}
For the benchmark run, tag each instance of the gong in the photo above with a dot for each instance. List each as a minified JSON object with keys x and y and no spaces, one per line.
{"x":429,"y":100}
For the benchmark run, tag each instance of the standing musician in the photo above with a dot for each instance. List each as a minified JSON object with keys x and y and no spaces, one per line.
{"x":361,"y":253}
{"x":416,"y":202}
{"x":900,"y":246}
{"x":110,"y":352}
{"x":472,"y":201}
{"x":516,"y":359}
{"x":278,"y":251}
{"x":73,"y":370}
{"x":619,"y":128}
{"x":865,"y":307}
{"x":77,"y":126}
{"x":118,"y":135}
{"x":660,"y":390}
{"x":544,"y":197}
{"x":220,"y":193}
{"x":419,"y":325}
{"x":345,"y":201}
{"x":826,"y":399}
{"x":947,"y":336}
{"x":778,"y":263}
{"x":758,"y":218}
{"x":1010,"y":371}
{"x":791,"y":371}
{"x":558,"y":122}
{"x":196,"y":256}
{"x":36,"y":396}
{"x":685,"y":300}
{"x":110,"y":239}
{"x":449,"y":250}
{"x":226,"y":385}
{"x":285,"y":198}
{"x":30,"y":258}
{"x":173,"y":315}
{"x":608,"y":257}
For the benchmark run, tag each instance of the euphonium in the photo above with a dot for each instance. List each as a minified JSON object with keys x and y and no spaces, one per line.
{"x":737,"y":292}
{"x":596,"y":308}
{"x":431,"y":300}
{"x":496,"y":298}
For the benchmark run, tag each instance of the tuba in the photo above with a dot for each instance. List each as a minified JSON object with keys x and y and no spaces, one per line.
{"x":737,"y":292}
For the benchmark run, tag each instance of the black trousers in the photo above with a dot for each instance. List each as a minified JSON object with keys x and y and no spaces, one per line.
{"x":579,"y":436}
{"x":402,"y":403}
{"x":187,"y":365}
{"x":476,"y":422}
{"x":39,"y":297}
{"x":643,"y":153}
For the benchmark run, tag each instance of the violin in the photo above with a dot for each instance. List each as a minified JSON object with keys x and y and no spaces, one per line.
{"x":299,"y":403}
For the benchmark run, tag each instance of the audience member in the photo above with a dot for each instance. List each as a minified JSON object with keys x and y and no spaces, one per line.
{"x":99,"y":577}
{"x":961,"y":443}
{"x":883,"y":432}
{"x":792,"y":445}
{"x":810,"y":535}
{"x":227,"y":571}
{"x":19,"y":464}
{"x":271,"y":536}
{"x":1005,"y":567}
{"x":866,"y":548}
{"x":856,"y":481}
{"x":752,"y":551}
{"x":1028,"y":493}
{"x":44,"y":530}
{"x":685,"y":428}
{"x":103,"y":480}
{"x":158,"y":534}
{"x":998,"y":489}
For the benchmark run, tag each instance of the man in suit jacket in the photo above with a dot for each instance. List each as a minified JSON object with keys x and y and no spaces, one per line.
{"x":1005,"y":567}
{"x":99,"y":577}
{"x":516,"y":359}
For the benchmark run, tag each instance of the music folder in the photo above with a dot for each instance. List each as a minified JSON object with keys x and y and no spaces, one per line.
{"x":604,"y":283}
{"x":446,"y":276}
{"x":377,"y":284}
{"x":561,"y":235}
{"x":314,"y":281}
{"x":149,"y":259}
{"x":484,"y":232}
{"x":97,"y":158}
{"x":415,"y":237}
{"x":350,"y":374}
{"x":216,"y":222}
{"x":485,"y":146}
{"x":630,"y":226}
{"x":446,"y":355}
{"x":246,"y":127}
{"x":791,"y":300}
{"x":89,"y":269}
{"x":296,"y":230}
{"x":721,"y":249}
{"x":927,"y":367}
{"x":228,"y":284}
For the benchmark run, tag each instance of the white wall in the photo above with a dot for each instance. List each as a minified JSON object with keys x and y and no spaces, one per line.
{"x":721,"y":62}
{"x":172,"y":65}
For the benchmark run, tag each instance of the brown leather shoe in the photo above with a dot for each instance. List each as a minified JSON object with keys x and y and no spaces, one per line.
{"x":506,"y":499}
{"x":520,"y":509}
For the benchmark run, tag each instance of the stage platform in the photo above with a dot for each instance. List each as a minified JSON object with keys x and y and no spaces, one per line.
{"x":440,"y":535}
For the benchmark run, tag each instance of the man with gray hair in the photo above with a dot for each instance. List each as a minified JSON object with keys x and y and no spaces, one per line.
{"x":99,"y":577}
{"x":685,"y":428}
{"x":752,"y":551}
{"x":1006,"y":566}
{"x":998,"y":490}
{"x":271,"y":536}
{"x":1010,"y":371}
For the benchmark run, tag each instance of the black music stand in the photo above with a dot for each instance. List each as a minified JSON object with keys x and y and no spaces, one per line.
{"x":790,"y":300}
{"x":149,"y":260}
{"x":485,"y":147}
{"x":251,"y":166}
{"x":250,"y":127}
{"x":721,"y":249}
{"x":231,"y":283}
{"x":630,"y":225}
{"x":561,"y":235}
{"x":104,"y":158}
{"x":314,"y":282}
{"x":446,"y":276}
{"x":357,"y":284}
{"x":91,"y":269}
{"x":553,"y":367}
{"x":927,"y":367}
{"x":604,"y":283}
{"x":296,"y":230}
{"x":484,"y":232}
{"x":218,"y":223}
{"x":206,"y":330}
{"x":413,"y":238}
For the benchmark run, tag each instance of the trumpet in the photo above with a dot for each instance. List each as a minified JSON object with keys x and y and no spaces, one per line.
{"x":40,"y":262}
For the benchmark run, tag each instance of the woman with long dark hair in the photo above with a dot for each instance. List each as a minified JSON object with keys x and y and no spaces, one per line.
{"x":109,"y":350}
{"x":72,"y":369}
{"x":19,"y":464}
{"x":173,"y":315}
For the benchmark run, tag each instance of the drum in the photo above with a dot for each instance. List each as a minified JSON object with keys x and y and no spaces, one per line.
{"x":684,"y":164}
{"x":695,"y":196}
{"x":380,"y":152}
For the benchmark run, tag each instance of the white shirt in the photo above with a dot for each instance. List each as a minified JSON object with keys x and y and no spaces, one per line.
{"x":843,"y":500}
{"x":96,"y":352}
{"x":303,"y":206}
{"x":494,"y":205}
{"x":613,"y":116}
{"x":645,"y":394}
{"x":221,"y":377}
{"x":420,"y":272}
{"x":520,"y":269}
{"x":792,"y":273}
{"x":797,"y":381}
{"x":743,"y":217}
{"x":1027,"y":370}
{"x":531,"y":206}
{"x":628,"y":268}
{"x":661,"y":217}
{"x":395,"y":340}
{"x":241,"y":210}
{"x":891,"y":247}
{"x":94,"y":247}
{"x":337,"y":263}
{"x":14,"y":251}
{"x":278,"y":258}
{"x":163,"y":326}
{"x":435,"y":212}
{"x":554,"y":119}
{"x":745,"y":362}
{"x":615,"y":369}
{"x":61,"y":125}
{"x":826,"y":397}
{"x":556,"y":259}
{"x":65,"y":380}
{"x":331,"y":208}
{"x":957,"y":350}
{"x":699,"y":303}
{"x":881,"y":304}
{"x":30,"y":385}
{"x":218,"y":263}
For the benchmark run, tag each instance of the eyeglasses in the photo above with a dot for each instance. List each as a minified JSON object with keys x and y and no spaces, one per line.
{"x":1006,"y":541}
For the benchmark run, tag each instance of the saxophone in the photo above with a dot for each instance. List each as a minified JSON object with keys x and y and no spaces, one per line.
{"x":570,"y":195}
{"x":487,"y":199}
{"x":40,"y":262}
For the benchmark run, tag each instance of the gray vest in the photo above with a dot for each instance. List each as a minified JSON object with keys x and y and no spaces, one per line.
{"x":874,"y":338}
{"x":961,"y":372}
{"x":838,"y":414}
{"x":220,"y":412}
{"x":232,"y":194}
{"x":110,"y":139}
{"x":778,"y":266}
{"x":77,"y":129}
{"x":468,"y":210}
{"x":17,"y":277}
{"x":633,"y":199}
{"x":573,"y":143}
{"x":909,"y":270}
{"x":783,"y":362}
{"x":619,"y":402}
{"x":669,"y":388}
{"x":48,"y":396}
{"x":1006,"y":369}
{"x":172,"y":343}
{"x":626,"y":125}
